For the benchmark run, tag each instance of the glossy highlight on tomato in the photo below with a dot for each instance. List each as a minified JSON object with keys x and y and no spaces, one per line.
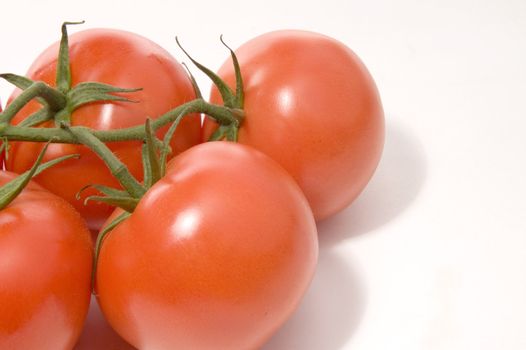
{"x":311,"y":105}
{"x":121,"y":59}
{"x":217,"y":255}
{"x":45,"y":268}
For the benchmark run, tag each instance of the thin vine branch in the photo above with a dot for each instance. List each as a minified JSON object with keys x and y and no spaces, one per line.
{"x":116,"y":166}
{"x":223,"y":115}
{"x":55,"y":99}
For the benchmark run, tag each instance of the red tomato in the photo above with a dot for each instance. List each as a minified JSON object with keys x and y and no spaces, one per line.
{"x":312,"y":106}
{"x":217,"y":254}
{"x":121,"y":59}
{"x":45,"y":268}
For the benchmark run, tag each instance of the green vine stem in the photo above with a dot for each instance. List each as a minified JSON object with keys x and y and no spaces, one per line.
{"x":223,"y":115}
{"x":12,"y":189}
{"x":117,"y":168}
{"x":98,"y":245}
{"x":54,"y":98}
{"x":60,"y":102}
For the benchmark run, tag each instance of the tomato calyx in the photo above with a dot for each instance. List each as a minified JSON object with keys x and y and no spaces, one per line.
{"x":51,"y":99}
{"x":58,"y":103}
{"x":12,"y":189}
{"x":154,"y":158}
{"x":233,"y":100}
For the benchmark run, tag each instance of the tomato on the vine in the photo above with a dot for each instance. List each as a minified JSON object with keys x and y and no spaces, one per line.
{"x":216,"y":255}
{"x":311,"y":105}
{"x":120,"y":59}
{"x":45,"y":268}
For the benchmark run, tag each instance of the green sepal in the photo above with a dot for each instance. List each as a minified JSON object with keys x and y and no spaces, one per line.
{"x":12,"y":189}
{"x":63,"y":77}
{"x":108,"y":191}
{"x":197,"y":90}
{"x":219,"y":134}
{"x":126,"y":203}
{"x":240,"y":94}
{"x":45,"y":94}
{"x":19,"y":81}
{"x":229,"y":99}
{"x":232,"y":133}
{"x":100,"y":239}
{"x":89,"y":92}
{"x":225,"y":132}
{"x":40,"y":116}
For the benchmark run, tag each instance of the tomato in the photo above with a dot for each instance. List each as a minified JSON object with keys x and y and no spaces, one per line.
{"x":45,"y":268}
{"x":217,"y":254}
{"x":312,"y":106}
{"x":121,"y":59}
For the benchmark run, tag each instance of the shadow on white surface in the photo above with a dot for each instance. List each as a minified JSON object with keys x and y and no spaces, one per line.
{"x":327,"y":317}
{"x":396,"y":183}
{"x":330,"y":312}
{"x":97,"y":333}
{"x":335,"y":303}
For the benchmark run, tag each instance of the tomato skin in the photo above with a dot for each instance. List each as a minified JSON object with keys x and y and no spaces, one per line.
{"x":312,"y":106}
{"x":217,"y":255}
{"x":45,"y":268}
{"x":121,"y":59}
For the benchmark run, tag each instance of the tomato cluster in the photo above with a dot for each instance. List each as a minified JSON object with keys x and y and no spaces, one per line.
{"x":213,"y":251}
{"x":119,"y":58}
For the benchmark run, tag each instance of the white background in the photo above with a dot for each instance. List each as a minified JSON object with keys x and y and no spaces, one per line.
{"x":433,"y":254}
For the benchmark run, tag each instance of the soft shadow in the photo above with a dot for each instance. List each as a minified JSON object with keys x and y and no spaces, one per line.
{"x":396,"y":183}
{"x":98,"y":334}
{"x":335,"y":303}
{"x":330,"y":311}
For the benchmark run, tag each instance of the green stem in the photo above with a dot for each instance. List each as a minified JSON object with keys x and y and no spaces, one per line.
{"x":165,"y":149}
{"x":54,"y":98}
{"x":117,"y":168}
{"x":223,"y":115}
{"x":153,"y":158}
{"x":12,"y":189}
{"x":98,"y":244}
